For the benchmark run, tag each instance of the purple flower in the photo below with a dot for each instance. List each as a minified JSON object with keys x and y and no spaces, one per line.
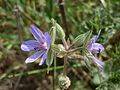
{"x":95,"y":47}
{"x":41,"y":45}
{"x":98,"y":62}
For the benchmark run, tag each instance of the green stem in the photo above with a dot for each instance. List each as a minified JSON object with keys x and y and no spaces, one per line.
{"x":54,"y":76}
{"x":33,"y":72}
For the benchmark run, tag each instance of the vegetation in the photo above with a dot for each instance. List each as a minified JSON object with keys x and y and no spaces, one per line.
{"x":79,"y":20}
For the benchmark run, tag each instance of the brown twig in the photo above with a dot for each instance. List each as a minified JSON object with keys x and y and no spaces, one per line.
{"x":62,"y":11}
{"x":65,"y":57}
{"x":65,"y":65}
{"x":18,"y":22}
{"x":17,"y":15}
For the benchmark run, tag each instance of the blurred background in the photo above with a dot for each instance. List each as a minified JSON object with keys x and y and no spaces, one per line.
{"x":81,"y":16}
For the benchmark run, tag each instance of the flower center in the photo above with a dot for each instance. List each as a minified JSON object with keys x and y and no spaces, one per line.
{"x":44,"y":45}
{"x":96,"y":50}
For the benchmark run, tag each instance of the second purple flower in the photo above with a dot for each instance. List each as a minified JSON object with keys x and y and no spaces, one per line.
{"x":96,"y":48}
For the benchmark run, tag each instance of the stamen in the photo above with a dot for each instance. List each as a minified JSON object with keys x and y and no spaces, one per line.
{"x":99,"y":50}
{"x":35,"y":48}
{"x":43,"y":45}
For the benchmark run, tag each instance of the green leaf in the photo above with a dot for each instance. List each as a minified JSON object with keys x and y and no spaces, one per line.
{"x":87,"y":62}
{"x":82,"y":38}
{"x":115,"y":0}
{"x":88,"y":37}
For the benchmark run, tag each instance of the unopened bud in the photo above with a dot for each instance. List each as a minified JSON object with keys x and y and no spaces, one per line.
{"x":55,"y":48}
{"x":60,"y":31}
{"x":62,"y":51}
{"x":58,"y":28}
{"x":53,"y":34}
{"x":64,"y":81}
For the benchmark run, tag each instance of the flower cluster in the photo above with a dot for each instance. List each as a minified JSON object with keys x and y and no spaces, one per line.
{"x":42,"y":45}
{"x":45,"y":47}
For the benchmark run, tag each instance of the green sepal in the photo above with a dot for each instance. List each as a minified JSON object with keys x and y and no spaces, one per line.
{"x":53,"y":34}
{"x":49,"y":59}
{"x":55,"y":48}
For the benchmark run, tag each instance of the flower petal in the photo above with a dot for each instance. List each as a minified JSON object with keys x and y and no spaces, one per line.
{"x":43,"y":58}
{"x":37,"y":33}
{"x":96,"y":48}
{"x":34,"y":57}
{"x":94,"y":39}
{"x":90,"y":47}
{"x":29,"y":45}
{"x":98,"y":62}
{"x":47,"y":38}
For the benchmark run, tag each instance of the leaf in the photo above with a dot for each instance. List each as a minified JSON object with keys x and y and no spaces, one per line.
{"x":87,"y":39}
{"x":87,"y":62}
{"x":82,"y":38}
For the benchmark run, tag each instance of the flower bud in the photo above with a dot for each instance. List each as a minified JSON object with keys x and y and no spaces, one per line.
{"x":62,"y":51}
{"x":58,"y":28}
{"x":60,"y":31}
{"x":64,"y":81}
{"x":53,"y":34}
{"x":55,"y":48}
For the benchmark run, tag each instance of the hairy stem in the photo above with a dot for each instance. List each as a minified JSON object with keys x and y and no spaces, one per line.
{"x":65,"y":57}
{"x":65,"y":65}
{"x":62,"y":10}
